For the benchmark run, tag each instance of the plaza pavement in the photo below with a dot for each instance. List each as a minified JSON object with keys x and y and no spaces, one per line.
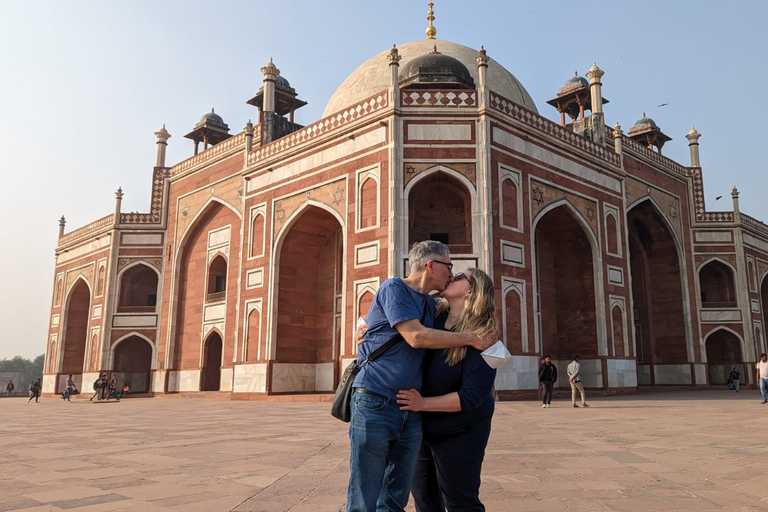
{"x":692,"y":451}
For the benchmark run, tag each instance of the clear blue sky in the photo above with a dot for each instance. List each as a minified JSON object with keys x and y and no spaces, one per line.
{"x":86,"y":84}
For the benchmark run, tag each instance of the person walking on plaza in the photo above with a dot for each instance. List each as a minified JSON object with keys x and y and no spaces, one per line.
{"x":547,"y":379}
{"x":70,"y":387}
{"x":9,"y":389}
{"x":733,"y":379}
{"x":96,"y":389}
{"x":574,"y":377}
{"x":34,"y":391}
{"x":384,"y":440}
{"x":761,"y":376}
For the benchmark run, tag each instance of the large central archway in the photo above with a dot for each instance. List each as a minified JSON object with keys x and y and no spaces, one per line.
{"x":76,"y":334}
{"x":133,"y":363}
{"x":657,"y":293}
{"x":566,"y":289}
{"x":310,"y":287}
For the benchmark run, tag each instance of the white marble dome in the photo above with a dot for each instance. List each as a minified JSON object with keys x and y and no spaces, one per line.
{"x":373,"y":75}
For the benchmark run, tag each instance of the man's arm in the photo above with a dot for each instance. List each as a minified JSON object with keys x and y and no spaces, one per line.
{"x":418,"y":336}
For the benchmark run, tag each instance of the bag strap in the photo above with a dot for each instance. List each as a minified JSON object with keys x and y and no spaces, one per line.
{"x":379,"y":351}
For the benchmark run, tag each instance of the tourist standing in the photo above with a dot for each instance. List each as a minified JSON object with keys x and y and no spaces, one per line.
{"x":70,"y":387}
{"x":547,"y":379}
{"x":384,"y":440}
{"x":761,"y":376}
{"x":574,"y":377}
{"x":9,"y":389}
{"x":733,"y":379}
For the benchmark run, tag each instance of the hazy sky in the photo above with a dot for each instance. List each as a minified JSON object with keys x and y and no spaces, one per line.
{"x":84,"y":85}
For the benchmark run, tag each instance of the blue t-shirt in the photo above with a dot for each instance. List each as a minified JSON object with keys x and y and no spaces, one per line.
{"x":399,"y":367}
{"x":472,"y":378}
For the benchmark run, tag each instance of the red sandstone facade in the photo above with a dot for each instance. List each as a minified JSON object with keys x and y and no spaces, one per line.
{"x":260,"y":252}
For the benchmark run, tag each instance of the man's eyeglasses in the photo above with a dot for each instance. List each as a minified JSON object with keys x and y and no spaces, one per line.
{"x":449,"y":265}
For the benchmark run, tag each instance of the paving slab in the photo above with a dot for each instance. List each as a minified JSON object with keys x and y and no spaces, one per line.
{"x":671,"y":451}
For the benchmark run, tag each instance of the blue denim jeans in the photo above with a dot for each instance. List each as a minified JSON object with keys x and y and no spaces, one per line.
{"x":764,"y":388}
{"x":384,"y":445}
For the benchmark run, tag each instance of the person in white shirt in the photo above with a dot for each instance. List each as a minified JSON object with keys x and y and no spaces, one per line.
{"x":761,"y":376}
{"x":574,"y":377}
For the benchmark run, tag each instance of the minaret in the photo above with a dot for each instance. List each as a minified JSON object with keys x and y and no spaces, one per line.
{"x":431,"y":30}
{"x":62,"y":223}
{"x":693,"y":144}
{"x":162,"y":143}
{"x":394,"y":70}
{"x":119,"y":202}
{"x":617,"y":133}
{"x":248,"y":138}
{"x":271,"y":73}
{"x":736,"y":211}
{"x":598,"y":125}
{"x":482,"y":66}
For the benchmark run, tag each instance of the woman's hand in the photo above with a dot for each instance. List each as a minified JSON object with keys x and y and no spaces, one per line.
{"x":410,"y":400}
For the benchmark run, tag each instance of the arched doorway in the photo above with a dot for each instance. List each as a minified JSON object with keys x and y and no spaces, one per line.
{"x":440,"y":208}
{"x":133,"y":364}
{"x":717,"y":286}
{"x":76,"y":333}
{"x":723,"y":351}
{"x":309,"y":303}
{"x":138,"y":290}
{"x":657,"y":295}
{"x":210,"y":376}
{"x":566,"y":289}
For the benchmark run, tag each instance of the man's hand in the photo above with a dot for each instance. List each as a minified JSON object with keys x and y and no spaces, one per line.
{"x":482,"y":344}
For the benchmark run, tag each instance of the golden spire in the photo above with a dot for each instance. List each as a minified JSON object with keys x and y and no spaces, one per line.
{"x":431,"y":30}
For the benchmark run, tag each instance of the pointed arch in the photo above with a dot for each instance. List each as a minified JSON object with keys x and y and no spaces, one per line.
{"x":717,"y":284}
{"x":369,"y":205}
{"x":76,"y":326}
{"x":724,"y":348}
{"x":137,"y":288}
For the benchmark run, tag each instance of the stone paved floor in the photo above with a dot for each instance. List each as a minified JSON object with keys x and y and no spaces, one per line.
{"x":691,"y":451}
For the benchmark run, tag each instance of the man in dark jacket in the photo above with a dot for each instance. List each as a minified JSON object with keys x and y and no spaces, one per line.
{"x":547,"y":379}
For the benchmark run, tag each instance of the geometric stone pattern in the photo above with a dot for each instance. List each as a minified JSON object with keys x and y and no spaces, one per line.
{"x":411,"y":170}
{"x":698,"y":200}
{"x":159,"y":182}
{"x":312,"y":131}
{"x":545,"y":125}
{"x":437,"y":98}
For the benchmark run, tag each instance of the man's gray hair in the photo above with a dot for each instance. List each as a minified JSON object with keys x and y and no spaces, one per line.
{"x":422,"y":252}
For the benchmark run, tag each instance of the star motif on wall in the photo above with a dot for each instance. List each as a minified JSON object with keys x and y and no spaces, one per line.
{"x":338,"y":196}
{"x":538,"y":196}
{"x":672,"y":211}
{"x":590,"y":213}
{"x":280,"y":214}
{"x":410,"y":170}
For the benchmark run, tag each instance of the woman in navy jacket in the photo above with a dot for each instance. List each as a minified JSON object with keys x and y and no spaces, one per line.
{"x":457,"y":401}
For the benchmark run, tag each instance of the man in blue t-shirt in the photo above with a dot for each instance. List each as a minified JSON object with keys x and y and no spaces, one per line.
{"x":385,"y":441}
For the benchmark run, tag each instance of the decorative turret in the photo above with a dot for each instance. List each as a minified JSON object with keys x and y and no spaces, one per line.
{"x":648,"y":134}
{"x":275,"y":99}
{"x":162,"y":143}
{"x":482,"y":67}
{"x":62,"y":223}
{"x":617,"y":133}
{"x":693,"y":144}
{"x":119,"y":202}
{"x":211,"y":129}
{"x":248,"y":137}
{"x":736,"y":211}
{"x":394,"y":69}
{"x":576,"y":96}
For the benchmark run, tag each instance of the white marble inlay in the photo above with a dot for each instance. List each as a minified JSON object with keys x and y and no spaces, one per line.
{"x":461,"y":132}
{"x":134,"y":321}
{"x":755,"y":242}
{"x":55,"y":321}
{"x":103,"y":241}
{"x":225,"y":382}
{"x":615,"y":275}
{"x":97,"y":311}
{"x":714,"y":236}
{"x":622,"y":373}
{"x":560,"y":162}
{"x":250,"y":378}
{"x":367,"y":254}
{"x":294,"y":378}
{"x":672,"y":374}
{"x":512,"y":253}
{"x":158,"y":381}
{"x":254,"y":278}
{"x":135,"y":239}
{"x":218,"y":237}
{"x":185,"y":380}
{"x":721,"y":315}
{"x":520,"y":372}
{"x":755,"y":306}
{"x":214,"y":312}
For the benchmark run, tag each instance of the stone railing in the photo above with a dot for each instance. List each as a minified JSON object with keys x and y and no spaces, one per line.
{"x":93,"y":227}
{"x":715,"y":217}
{"x":219,"y":149}
{"x":327,"y":124}
{"x":438,"y":98}
{"x":641,"y":150}
{"x":515,"y":111}
{"x":754,"y":224}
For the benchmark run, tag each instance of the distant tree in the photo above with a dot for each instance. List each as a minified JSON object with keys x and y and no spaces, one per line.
{"x":31,"y":370}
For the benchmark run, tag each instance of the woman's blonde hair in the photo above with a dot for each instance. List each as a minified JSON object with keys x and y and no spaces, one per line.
{"x":479,"y":314}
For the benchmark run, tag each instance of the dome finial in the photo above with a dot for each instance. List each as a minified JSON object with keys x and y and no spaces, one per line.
{"x":431,"y":30}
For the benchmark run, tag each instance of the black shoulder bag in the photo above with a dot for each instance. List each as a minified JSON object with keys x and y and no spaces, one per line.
{"x":341,"y":407}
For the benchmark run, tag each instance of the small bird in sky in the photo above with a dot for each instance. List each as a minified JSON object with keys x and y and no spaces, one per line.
{"x":663,"y":105}
{"x":718,"y":197}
